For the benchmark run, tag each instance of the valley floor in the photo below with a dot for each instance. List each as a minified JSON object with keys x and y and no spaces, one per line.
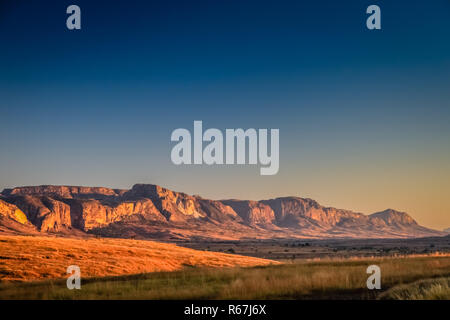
{"x":297,"y":250}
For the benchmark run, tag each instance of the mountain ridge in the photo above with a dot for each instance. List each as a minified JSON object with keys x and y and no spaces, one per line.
{"x":154,"y":212}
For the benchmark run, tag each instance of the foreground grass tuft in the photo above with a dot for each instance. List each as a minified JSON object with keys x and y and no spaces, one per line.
{"x":431,"y":289}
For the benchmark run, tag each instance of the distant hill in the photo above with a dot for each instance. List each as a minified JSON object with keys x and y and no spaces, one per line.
{"x":149,"y":211}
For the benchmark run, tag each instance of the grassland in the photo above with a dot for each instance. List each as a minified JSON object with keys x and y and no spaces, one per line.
{"x":431,"y":289}
{"x":321,"y":279}
{"x":28,"y":258}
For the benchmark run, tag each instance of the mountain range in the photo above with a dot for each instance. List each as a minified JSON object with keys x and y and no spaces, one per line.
{"x":148,"y":211}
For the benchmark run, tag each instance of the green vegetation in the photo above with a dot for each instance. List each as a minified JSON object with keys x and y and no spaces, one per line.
{"x":327,"y":279}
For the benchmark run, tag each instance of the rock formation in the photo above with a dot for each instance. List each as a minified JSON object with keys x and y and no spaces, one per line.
{"x":151,"y":211}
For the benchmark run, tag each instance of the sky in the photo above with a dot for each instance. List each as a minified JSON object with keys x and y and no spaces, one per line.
{"x":363,"y":114}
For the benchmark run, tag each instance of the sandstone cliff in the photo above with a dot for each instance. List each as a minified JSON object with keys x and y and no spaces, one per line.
{"x":10,"y":211}
{"x":151,"y":211}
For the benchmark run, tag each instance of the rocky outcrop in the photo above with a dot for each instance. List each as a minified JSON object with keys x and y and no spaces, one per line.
{"x":390,"y":217}
{"x":94,"y":214}
{"x":252,"y":212}
{"x":49,"y":214}
{"x":151,"y":211}
{"x":175,"y":206}
{"x":294,"y":211}
{"x":45,"y":213}
{"x":11,"y":211}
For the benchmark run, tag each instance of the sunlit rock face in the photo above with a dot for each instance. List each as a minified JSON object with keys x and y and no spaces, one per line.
{"x":12,"y":212}
{"x":151,"y":211}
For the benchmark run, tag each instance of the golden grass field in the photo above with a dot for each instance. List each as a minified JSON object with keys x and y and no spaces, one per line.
{"x":27,"y":258}
{"x":135,"y":269}
{"x":402,"y":278}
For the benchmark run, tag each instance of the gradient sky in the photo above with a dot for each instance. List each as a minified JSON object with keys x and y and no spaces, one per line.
{"x":364,"y":116}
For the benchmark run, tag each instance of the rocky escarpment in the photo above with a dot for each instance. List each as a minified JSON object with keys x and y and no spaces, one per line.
{"x":175,"y":206}
{"x":151,"y":211}
{"x":11,"y":211}
{"x":299,"y":213}
{"x":252,"y":212}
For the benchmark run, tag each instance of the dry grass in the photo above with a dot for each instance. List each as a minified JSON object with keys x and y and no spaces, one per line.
{"x":431,"y":289}
{"x":325,"y":279}
{"x":27,"y":258}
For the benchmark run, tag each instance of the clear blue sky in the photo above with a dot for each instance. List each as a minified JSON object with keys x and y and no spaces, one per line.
{"x":363,"y":115}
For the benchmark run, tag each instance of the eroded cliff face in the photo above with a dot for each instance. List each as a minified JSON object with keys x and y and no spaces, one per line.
{"x":153,"y":211}
{"x":175,"y":206}
{"x":49,"y":214}
{"x":293,"y":210}
{"x":252,"y":212}
{"x":95,"y":214}
{"x":56,"y":217}
{"x":45,"y":213}
{"x":11,"y":211}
